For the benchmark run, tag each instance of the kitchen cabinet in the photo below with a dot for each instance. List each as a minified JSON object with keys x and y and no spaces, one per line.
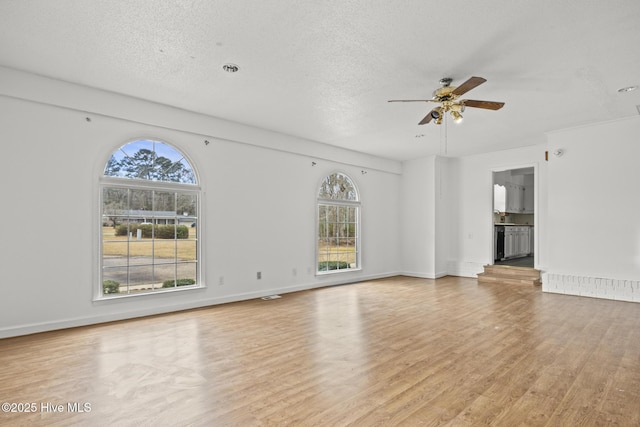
{"x":528,"y":205}
{"x":516,"y":241}
{"x":514,"y":191}
{"x":499,"y":198}
{"x":509,"y":239}
{"x":531,"y":240}
{"x":523,"y":240}
{"x":514,"y":198}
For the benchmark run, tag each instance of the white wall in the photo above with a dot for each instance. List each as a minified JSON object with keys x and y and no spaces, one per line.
{"x":259,"y":204}
{"x":445,"y":183}
{"x":587,"y":227}
{"x":418,"y":217}
{"x":472,"y":206}
{"x":593,"y":220}
{"x":426,"y":216}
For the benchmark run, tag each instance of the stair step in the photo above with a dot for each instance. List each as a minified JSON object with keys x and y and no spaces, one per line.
{"x":509,"y":270}
{"x":510,"y":275}
{"x":508,"y":279}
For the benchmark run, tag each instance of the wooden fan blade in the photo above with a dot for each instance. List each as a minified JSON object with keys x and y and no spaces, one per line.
{"x":468,"y":85}
{"x":426,"y":119}
{"x":412,"y":100}
{"x":487,"y":105}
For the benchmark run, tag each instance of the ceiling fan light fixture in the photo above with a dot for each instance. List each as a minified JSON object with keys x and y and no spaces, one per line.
{"x":436,"y":115}
{"x":458,"y":107}
{"x":457,"y":117}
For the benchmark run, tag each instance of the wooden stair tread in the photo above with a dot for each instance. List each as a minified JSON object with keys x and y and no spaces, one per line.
{"x":512,"y":270}
{"x":511,"y":275}
{"x":484,"y":278}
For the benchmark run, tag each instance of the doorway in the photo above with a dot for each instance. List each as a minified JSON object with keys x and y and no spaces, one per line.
{"x":514,"y":217}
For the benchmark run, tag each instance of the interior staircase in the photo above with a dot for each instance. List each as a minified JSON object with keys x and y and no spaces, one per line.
{"x":510,"y":275}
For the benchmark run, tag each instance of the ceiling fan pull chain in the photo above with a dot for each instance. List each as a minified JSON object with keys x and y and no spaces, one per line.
{"x":446,"y":136}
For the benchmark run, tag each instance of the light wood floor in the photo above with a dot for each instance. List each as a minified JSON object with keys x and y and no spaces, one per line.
{"x":398,"y":351}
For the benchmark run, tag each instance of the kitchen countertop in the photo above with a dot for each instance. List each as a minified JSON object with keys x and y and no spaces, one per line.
{"x":513,"y":224}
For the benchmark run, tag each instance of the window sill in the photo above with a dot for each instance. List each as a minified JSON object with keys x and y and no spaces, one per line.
{"x":112,"y":297}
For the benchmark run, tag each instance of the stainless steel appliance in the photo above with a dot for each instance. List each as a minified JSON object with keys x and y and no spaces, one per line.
{"x":499,"y":243}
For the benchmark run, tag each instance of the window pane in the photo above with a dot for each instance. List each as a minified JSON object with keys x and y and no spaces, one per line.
{"x":141,"y":278}
{"x":337,"y":186}
{"x":164,"y":251}
{"x":110,"y":233}
{"x":141,"y":206}
{"x":138,"y":161}
{"x":187,"y":273}
{"x":140,"y":252}
{"x":187,"y":205}
{"x":115,"y":253}
{"x":164,"y":273}
{"x":151,"y":160}
{"x":351,"y":217}
{"x":115,"y":205}
{"x":322,"y":220}
{"x":164,"y":205}
{"x":332,"y":213}
{"x":343,"y":214}
{"x":186,"y":250}
{"x":114,"y":281}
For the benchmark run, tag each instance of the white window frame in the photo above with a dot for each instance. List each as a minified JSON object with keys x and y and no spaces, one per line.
{"x":356,"y":204}
{"x":149,"y":185}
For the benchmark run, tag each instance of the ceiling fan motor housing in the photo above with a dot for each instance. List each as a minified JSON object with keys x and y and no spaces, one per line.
{"x":444,"y":94}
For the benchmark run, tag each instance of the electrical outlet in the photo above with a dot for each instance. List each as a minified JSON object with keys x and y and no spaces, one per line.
{"x":294,"y":272}
{"x":221,"y":281}
{"x":259,"y":275}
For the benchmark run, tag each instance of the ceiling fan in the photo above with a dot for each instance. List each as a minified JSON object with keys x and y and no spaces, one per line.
{"x":447,"y":96}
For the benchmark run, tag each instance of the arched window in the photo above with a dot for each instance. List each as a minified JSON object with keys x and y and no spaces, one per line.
{"x":338,"y":228}
{"x":149,"y":201}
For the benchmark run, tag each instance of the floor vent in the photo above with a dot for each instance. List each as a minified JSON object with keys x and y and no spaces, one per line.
{"x":270,"y":297}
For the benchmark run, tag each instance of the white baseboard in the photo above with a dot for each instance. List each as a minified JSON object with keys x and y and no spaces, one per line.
{"x":423,"y":275}
{"x":595,"y":287}
{"x":34,"y":328}
{"x":465,"y":269}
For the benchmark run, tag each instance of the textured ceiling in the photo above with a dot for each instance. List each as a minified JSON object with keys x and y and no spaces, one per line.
{"x":324,"y":70}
